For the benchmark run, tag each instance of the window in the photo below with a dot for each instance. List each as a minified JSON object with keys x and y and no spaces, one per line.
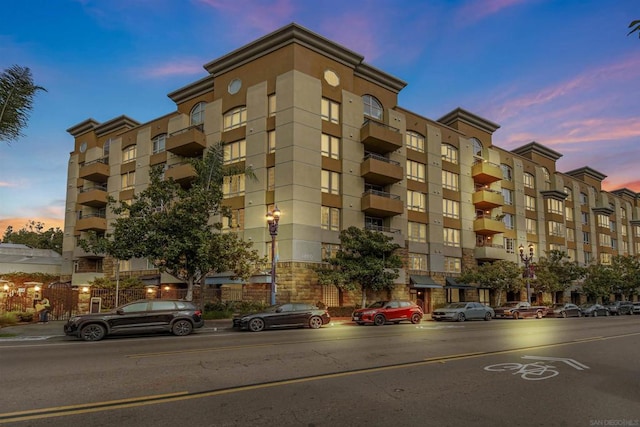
{"x":372,"y":107}
{"x":330,"y":182}
{"x":416,"y":201}
{"x":529,"y":180}
{"x":568,"y":212}
{"x":330,"y":146}
{"x":587,"y":258}
{"x":450,"y":180}
{"x":508,"y":221}
{"x":531,"y":226}
{"x":571,"y":253}
{"x":571,"y":235}
{"x":197,"y":114}
{"x":547,"y":178}
{"x":477,"y":147}
{"x":235,"y":152}
{"x":235,"y":221}
{"x":624,"y":247}
{"x":584,"y":199}
{"x":452,"y":265}
{"x":509,"y":245}
{"x":584,"y":217}
{"x":605,"y":258}
{"x":127,"y":180}
{"x":556,"y":229}
{"x":417,"y":261}
{"x":233,"y":185}
{"x":417,"y":232}
{"x":373,"y":223}
{"x":449,"y":153}
{"x":124,"y":265}
{"x":555,"y":206}
{"x":271,"y":141}
{"x":235,"y":118}
{"x":330,"y":111}
{"x":416,"y":171}
{"x":605,"y":239}
{"x":623,"y":213}
{"x":529,"y":203}
{"x":330,"y":218}
{"x":569,"y":194}
{"x":603,"y":221}
{"x":106,"y":148}
{"x":271,"y":107}
{"x":414,"y":140}
{"x":623,"y":231}
{"x":329,"y":250}
{"x":271,"y":179}
{"x":612,"y":226}
{"x":508,"y":196}
{"x":450,"y":208}
{"x":636,"y":230}
{"x":586,"y":237}
{"x":507,"y":172}
{"x":451,"y":237}
{"x":129,"y":154}
{"x":158,"y":143}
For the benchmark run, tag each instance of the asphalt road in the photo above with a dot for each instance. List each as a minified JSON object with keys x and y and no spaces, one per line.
{"x":559,"y":372}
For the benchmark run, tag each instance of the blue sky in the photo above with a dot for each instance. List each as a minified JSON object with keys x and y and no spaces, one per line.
{"x":562,"y":73}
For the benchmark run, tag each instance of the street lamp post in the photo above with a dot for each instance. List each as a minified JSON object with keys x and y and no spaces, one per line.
{"x":527,"y":269}
{"x":272,"y":219}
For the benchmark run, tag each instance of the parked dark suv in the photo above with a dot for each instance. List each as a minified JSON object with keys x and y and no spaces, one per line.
{"x":620,"y":307}
{"x":177,"y":317}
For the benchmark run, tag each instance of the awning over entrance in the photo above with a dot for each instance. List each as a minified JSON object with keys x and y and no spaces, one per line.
{"x":423,"y":282}
{"x":452,"y":284}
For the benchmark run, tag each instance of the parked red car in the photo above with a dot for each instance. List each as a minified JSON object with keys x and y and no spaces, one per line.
{"x":381,"y":312}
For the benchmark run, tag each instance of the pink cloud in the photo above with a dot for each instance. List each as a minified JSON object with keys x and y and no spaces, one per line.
{"x":355,"y":31}
{"x":474,"y":11}
{"x":265,"y":16}
{"x":175,"y":68}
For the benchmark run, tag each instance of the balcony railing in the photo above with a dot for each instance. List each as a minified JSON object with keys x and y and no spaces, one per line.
{"x":187,"y":142}
{"x":486,"y":172}
{"x":382,"y":228}
{"x":381,"y":204}
{"x":379,"y":170}
{"x":379,"y":137}
{"x":95,"y":170}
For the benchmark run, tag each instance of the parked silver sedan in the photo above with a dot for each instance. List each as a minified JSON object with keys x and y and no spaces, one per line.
{"x":461,"y":311}
{"x":564,"y":310}
{"x":594,"y":310}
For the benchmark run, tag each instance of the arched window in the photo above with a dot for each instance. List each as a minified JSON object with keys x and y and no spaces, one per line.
{"x":372,"y":107}
{"x":197,"y":114}
{"x":477,"y":147}
{"x":159,"y":143}
{"x":449,"y":153}
{"x":569,"y":194}
{"x":529,"y":180}
{"x":105,"y":148}
{"x":235,"y":118}
{"x":507,"y":172}
{"x":547,"y":178}
{"x":414,"y":140}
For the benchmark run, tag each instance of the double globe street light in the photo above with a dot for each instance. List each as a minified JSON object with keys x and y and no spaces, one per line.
{"x":273,"y":217}
{"x":526,"y":259}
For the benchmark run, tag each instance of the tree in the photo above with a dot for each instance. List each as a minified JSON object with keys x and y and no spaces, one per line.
{"x":366,"y":259}
{"x":598,"y":282}
{"x":16,"y":101}
{"x":173,"y":226}
{"x":635,"y":26}
{"x":501,"y":276}
{"x":556,"y":272}
{"x":32,"y":235}
{"x":627,"y":277}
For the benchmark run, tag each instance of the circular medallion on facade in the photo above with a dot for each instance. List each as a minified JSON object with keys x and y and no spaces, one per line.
{"x":234,"y":86}
{"x":332,"y":78}
{"x":83,"y":147}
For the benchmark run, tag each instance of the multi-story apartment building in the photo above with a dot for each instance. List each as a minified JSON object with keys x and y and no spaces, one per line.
{"x":332,"y":148}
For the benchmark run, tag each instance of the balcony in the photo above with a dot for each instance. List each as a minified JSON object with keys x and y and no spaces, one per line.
{"x":486,"y":225}
{"x":95,"y":171}
{"x":486,"y":198}
{"x":484,"y":172}
{"x":491,"y":253}
{"x":379,"y":170}
{"x":95,"y":222}
{"x":380,"y":138}
{"x":188,"y":142}
{"x":381,"y":204}
{"x":182,"y":173}
{"x":95,"y":196}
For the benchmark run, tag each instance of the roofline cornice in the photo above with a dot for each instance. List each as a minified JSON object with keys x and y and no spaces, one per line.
{"x":192,"y":90}
{"x":537,"y":148}
{"x":83,"y":127}
{"x":113,"y":125}
{"x":469,"y":118}
{"x":586,"y":170}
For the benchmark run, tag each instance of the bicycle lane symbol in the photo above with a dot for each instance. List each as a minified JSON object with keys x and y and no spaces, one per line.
{"x":536,"y":371}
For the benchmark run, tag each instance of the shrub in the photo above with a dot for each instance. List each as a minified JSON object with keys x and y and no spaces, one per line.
{"x":8,"y":319}
{"x":25,"y":317}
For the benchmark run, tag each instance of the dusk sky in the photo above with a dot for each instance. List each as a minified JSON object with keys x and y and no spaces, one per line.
{"x":562,"y":73}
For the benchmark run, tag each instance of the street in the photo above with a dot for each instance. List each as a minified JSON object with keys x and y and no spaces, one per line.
{"x":572,"y":372}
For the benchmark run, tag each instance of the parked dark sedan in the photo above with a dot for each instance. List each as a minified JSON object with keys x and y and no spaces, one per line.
{"x":594,"y":310}
{"x":564,"y":310}
{"x":175,"y":316}
{"x":620,"y":307}
{"x":283,"y":316}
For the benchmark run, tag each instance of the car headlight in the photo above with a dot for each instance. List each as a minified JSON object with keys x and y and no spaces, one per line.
{"x":369,"y":312}
{"x":73,"y":319}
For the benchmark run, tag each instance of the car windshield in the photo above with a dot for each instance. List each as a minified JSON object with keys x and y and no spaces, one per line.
{"x":558,"y":305}
{"x":457,"y":305}
{"x":377,"y":304}
{"x":587,"y":305}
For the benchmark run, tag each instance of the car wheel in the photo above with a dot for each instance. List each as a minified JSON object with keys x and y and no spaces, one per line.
{"x":315,"y":322}
{"x":379,"y":320}
{"x":606,"y":313}
{"x":92,"y":332}
{"x":487,"y":316}
{"x":461,"y":317}
{"x":595,"y":313}
{"x":181,"y":328}
{"x":563,"y":314}
{"x":539,"y":314}
{"x":516,"y":315}
{"x":580,"y":314}
{"x":256,"y":324}
{"x":415,"y":318}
